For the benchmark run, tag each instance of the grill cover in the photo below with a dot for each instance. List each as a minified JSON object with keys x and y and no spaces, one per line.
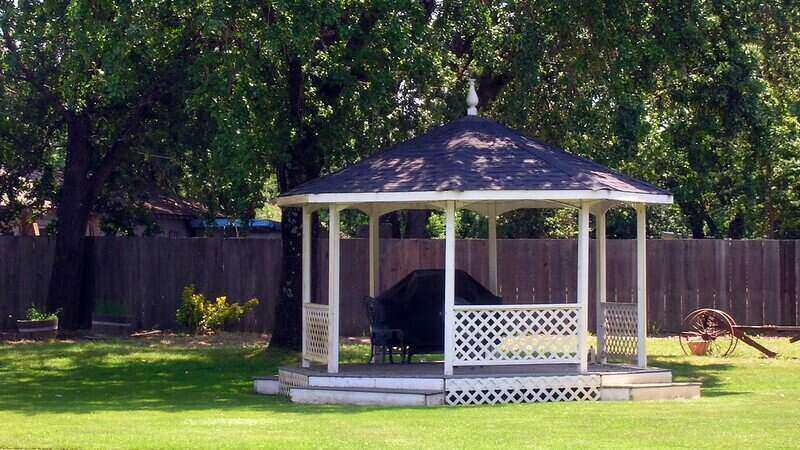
{"x":416,"y":305}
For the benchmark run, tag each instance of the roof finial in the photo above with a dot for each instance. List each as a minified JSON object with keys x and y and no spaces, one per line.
{"x":472,"y":99}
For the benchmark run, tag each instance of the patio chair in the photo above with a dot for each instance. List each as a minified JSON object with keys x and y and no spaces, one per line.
{"x":382,"y":338}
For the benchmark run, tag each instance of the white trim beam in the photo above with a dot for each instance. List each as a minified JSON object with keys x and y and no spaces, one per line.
{"x":306,"y":258}
{"x":600,"y":280}
{"x":583,"y":286}
{"x":516,"y":307}
{"x":386,"y":208}
{"x":467,"y":196}
{"x":449,"y":286}
{"x":492,"y":218}
{"x":641,"y":285}
{"x":334,"y":261}
{"x":504,"y":206}
{"x":374,"y":253}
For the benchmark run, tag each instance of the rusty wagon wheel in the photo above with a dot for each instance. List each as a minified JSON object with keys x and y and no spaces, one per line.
{"x":708,"y":332}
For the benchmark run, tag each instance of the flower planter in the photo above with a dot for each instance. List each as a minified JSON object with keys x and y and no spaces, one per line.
{"x":698,"y":348}
{"x":111,"y":325}
{"x":38,"y":329}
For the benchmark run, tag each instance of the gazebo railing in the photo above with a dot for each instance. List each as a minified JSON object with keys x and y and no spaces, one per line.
{"x":315,"y":329}
{"x":620,"y":332}
{"x":515,"y":334}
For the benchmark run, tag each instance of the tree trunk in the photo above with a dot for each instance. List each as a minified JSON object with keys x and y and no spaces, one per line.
{"x":393,"y":219}
{"x":417,"y":224}
{"x":695,"y":217}
{"x":74,"y":205}
{"x":736,"y":228}
{"x":303,"y":165}
{"x":288,"y":312}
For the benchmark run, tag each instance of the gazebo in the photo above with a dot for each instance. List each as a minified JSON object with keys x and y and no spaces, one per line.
{"x":492,"y":353}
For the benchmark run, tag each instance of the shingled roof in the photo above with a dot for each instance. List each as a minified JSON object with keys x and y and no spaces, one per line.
{"x":473,"y":154}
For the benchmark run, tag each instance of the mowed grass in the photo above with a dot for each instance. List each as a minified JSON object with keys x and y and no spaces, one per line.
{"x":190,"y":393}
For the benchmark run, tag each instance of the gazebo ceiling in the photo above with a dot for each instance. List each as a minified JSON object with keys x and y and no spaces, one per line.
{"x":474,"y":159}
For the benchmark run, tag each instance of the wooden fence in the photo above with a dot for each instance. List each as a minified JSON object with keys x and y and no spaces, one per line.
{"x":757,"y":281}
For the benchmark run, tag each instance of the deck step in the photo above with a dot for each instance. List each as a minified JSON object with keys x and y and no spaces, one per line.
{"x":266,"y":385}
{"x":366,"y":396}
{"x":650,"y":391}
{"x":640,"y":377}
{"x":403,"y":383}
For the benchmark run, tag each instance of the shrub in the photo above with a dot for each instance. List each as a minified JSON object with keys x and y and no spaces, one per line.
{"x":199,"y":315}
{"x":34,"y":313}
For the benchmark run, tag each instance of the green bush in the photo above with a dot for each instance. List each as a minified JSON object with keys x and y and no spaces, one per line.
{"x":200,"y":315}
{"x":34,"y":313}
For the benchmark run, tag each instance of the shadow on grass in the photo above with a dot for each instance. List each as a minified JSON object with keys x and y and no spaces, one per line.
{"x":119,"y":376}
{"x":708,"y":374}
{"x":126,"y":376}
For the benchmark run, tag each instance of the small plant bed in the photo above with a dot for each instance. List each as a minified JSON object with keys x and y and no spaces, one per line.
{"x":110,"y":318}
{"x":38,"y":324}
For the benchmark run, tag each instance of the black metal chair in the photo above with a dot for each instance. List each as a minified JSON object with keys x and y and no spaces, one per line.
{"x":382,"y":338}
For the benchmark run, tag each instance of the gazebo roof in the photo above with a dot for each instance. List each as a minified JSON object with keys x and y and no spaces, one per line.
{"x":472,"y":159}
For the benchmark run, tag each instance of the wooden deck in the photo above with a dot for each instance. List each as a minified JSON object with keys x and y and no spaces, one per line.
{"x":436,"y":370}
{"x":424,"y":384}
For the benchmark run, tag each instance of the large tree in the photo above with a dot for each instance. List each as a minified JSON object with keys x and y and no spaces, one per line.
{"x":345,"y":77}
{"x":105,"y":79}
{"x":611,"y":81}
{"x":699,"y":97}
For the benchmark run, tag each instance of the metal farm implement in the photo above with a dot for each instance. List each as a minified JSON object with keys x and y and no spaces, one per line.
{"x":714,"y":332}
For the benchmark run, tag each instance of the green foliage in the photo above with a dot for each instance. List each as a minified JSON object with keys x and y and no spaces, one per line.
{"x":469,"y":225}
{"x":120,"y":71}
{"x":436,"y":225}
{"x":33,"y":313}
{"x":699,"y":98}
{"x":199,"y":315}
{"x":517,"y":224}
{"x":190,"y":313}
{"x":352,"y":221}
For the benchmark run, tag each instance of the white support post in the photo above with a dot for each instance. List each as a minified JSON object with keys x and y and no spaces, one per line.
{"x":600,"y":265}
{"x":492,"y":216}
{"x":449,"y":285}
{"x":374,"y":253}
{"x":583,"y":286}
{"x":333,"y":289}
{"x":306,"y":271}
{"x":641,"y":285}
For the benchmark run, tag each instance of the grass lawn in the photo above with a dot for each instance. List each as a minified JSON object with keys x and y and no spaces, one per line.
{"x":186,"y":393}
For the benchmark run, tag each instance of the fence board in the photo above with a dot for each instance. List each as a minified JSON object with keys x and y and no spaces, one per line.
{"x":771,"y":274}
{"x":740,"y":271}
{"x":655,"y":284}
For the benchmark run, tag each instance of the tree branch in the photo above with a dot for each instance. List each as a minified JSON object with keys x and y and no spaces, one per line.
{"x":159,"y":89}
{"x":133,"y":121}
{"x":30,"y":77}
{"x":331,"y":88}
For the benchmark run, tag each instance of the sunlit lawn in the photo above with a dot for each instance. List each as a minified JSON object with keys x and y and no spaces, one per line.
{"x":182,"y":393}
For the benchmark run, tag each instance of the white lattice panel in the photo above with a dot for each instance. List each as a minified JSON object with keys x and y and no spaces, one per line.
{"x":515,"y":334}
{"x":315,"y":326}
{"x":620,"y":321}
{"x":481,"y":391}
{"x":288,"y":380}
